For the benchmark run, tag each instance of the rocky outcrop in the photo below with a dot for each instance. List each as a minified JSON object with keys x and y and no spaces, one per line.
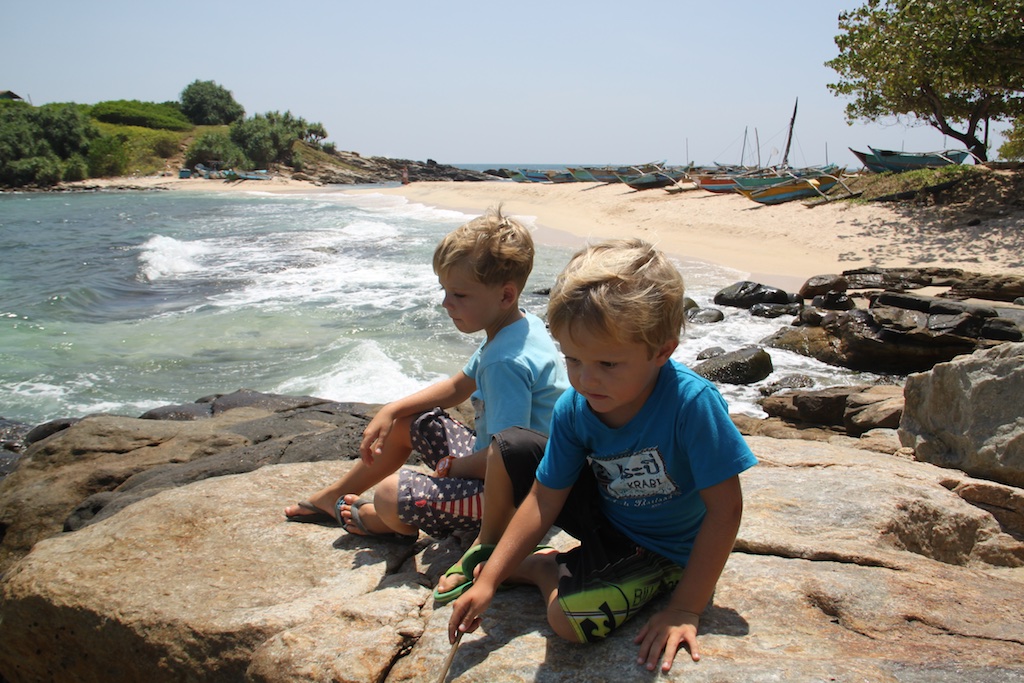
{"x":855,"y":409}
{"x":846,"y":568}
{"x":145,"y":549}
{"x":967,"y":414}
{"x":352,"y":168}
{"x":893,"y":332}
{"x":900,"y":333}
{"x":100,"y":464}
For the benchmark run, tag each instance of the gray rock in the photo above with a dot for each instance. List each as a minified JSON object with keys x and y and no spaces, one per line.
{"x":967,"y":414}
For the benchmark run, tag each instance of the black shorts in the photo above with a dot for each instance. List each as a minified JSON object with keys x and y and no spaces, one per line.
{"x":607,"y":578}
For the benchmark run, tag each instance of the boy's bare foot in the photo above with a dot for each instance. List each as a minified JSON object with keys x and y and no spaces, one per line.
{"x":450,"y":582}
{"x":307,"y":510}
{"x":359,"y":517}
{"x":526,"y":573}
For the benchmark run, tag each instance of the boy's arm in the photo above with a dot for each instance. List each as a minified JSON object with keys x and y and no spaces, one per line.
{"x":444,"y":393}
{"x":531,"y":521}
{"x":677,"y":623}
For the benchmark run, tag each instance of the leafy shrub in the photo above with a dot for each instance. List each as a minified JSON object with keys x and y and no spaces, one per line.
{"x":268,"y":138}
{"x":206,"y":103}
{"x":108,"y":156}
{"x":166,"y":146}
{"x":165,"y":116}
{"x":37,"y":170}
{"x":75,"y":168}
{"x":35,"y":141}
{"x":209,"y":148}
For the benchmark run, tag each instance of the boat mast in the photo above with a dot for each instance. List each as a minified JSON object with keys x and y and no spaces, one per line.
{"x":789,"y":136}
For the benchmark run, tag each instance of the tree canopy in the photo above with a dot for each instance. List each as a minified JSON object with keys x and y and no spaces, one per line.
{"x":44,"y":145}
{"x":950,"y":64}
{"x":207,"y":104}
{"x":268,"y":138}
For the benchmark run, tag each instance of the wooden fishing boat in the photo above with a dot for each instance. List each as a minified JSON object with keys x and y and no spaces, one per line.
{"x":612,"y":174}
{"x":560,"y":177}
{"x":794,"y":188}
{"x":664,"y":177}
{"x":581,"y":174}
{"x":882,"y":160}
{"x":525,"y":175}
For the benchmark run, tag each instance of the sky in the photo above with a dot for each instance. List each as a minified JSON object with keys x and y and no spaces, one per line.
{"x":508,"y":83}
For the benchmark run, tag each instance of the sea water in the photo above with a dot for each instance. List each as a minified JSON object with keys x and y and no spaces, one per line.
{"x":120,"y":302}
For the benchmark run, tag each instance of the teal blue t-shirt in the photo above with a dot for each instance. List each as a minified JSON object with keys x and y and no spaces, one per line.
{"x":519,"y":375}
{"x":651,"y":470}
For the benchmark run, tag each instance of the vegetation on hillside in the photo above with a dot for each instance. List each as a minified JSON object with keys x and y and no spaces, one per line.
{"x":43,"y":146}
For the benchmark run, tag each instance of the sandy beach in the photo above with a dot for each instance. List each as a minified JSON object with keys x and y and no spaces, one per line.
{"x":779,"y":245}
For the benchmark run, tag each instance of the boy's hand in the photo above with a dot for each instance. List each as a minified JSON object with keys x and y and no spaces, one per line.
{"x":374,"y":435}
{"x":467,"y":610}
{"x":664,"y":632}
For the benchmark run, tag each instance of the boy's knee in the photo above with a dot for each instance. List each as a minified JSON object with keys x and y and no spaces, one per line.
{"x":387,"y":489}
{"x":559,"y":622}
{"x":495,"y":457}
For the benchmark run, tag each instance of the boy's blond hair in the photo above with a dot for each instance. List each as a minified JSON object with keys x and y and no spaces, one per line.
{"x":496,"y":249}
{"x":624,"y":289}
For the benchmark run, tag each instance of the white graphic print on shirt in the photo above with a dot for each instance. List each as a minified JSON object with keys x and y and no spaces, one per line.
{"x":638,"y":478}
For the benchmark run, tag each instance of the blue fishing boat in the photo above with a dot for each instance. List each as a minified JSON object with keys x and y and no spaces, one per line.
{"x":882,"y":160}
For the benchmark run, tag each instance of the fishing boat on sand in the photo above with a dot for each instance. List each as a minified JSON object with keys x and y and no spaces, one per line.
{"x":794,"y":188}
{"x":664,"y":177}
{"x":882,"y":160}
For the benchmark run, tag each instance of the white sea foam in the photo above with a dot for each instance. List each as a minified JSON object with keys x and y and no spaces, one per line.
{"x":165,"y":256}
{"x":366,"y":374}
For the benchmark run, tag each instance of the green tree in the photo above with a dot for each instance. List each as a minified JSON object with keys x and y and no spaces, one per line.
{"x":207,"y":104}
{"x":268,"y":138}
{"x":950,"y":64}
{"x":36,"y":143}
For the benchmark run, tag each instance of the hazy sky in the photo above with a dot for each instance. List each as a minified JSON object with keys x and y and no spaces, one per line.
{"x":474,"y":82}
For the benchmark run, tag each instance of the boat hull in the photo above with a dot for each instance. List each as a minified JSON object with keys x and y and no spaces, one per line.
{"x":796,"y":188}
{"x":884,"y":160}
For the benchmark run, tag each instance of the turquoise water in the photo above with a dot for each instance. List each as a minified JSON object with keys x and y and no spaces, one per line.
{"x":124,"y":301}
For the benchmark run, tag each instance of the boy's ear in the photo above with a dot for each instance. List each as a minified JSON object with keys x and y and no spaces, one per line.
{"x":666,"y":351}
{"x":509,"y":294}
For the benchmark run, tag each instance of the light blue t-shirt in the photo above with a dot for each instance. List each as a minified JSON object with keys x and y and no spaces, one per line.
{"x":650,"y":471}
{"x":519,"y":375}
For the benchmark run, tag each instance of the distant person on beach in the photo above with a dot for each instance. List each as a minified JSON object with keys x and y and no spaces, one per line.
{"x":513,"y":379}
{"x":641,"y":466}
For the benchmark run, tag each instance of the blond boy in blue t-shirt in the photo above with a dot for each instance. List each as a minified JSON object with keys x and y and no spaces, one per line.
{"x":641,"y":466}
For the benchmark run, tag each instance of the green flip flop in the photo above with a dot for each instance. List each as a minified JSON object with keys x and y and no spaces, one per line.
{"x":466,"y":565}
{"x":469,"y":560}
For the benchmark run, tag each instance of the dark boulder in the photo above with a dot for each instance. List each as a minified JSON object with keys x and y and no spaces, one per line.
{"x":704,"y":316}
{"x":745,"y":294}
{"x":744,"y":366}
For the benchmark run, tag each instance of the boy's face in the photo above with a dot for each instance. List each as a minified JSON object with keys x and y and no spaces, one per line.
{"x":472,"y":305}
{"x":615,"y":377}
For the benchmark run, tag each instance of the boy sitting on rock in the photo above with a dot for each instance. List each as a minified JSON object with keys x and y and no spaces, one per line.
{"x":641,"y":466}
